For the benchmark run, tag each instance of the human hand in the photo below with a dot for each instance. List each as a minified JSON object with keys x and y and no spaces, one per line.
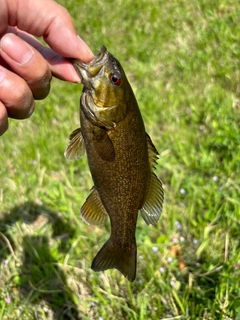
{"x":26,"y":66}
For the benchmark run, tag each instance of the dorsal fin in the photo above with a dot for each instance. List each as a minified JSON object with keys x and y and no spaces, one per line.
{"x":152,"y":207}
{"x":152,"y":152}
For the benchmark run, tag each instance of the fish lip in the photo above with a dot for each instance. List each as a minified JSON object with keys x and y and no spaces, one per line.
{"x":82,"y":68}
{"x":99,"y":57}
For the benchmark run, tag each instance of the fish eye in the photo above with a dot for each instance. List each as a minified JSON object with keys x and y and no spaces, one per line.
{"x":116,"y":80}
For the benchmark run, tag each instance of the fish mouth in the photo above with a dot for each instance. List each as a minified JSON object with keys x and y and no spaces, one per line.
{"x":89,"y":70}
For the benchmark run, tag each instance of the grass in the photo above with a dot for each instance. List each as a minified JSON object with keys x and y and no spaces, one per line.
{"x":182,"y":58}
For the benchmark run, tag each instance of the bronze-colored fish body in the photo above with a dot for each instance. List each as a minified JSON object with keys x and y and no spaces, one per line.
{"x":121,"y":159}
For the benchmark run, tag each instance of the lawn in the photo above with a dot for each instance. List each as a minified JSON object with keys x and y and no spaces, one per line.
{"x":183,"y":61}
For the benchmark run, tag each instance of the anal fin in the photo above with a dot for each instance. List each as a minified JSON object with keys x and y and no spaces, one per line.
{"x":93,"y":211}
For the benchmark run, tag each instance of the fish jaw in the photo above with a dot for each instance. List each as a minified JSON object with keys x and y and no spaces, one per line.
{"x":87,"y":71}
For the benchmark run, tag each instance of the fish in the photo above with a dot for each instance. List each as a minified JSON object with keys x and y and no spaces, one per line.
{"x":121,"y":159}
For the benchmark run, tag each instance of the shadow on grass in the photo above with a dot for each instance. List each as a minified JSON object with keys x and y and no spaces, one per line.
{"x":41,"y":282}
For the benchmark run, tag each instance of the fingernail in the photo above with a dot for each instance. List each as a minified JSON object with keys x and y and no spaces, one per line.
{"x":75,"y":77}
{"x":16,"y":49}
{"x":86,"y":48}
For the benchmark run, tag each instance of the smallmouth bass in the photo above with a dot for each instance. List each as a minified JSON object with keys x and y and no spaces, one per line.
{"x":121,"y":158}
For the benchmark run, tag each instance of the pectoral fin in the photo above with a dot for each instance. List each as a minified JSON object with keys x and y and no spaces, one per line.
{"x":103,"y":144}
{"x":93,"y":211}
{"x":75,"y":148}
{"x":152,"y":207}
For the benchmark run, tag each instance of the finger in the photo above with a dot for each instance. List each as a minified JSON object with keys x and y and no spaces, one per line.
{"x":60,"y":67}
{"x":27,"y":63}
{"x":50,"y":20}
{"x":15,"y":95}
{"x":3,"y":119}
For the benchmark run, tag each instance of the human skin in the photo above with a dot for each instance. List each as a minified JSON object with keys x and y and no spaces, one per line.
{"x":26,"y":66}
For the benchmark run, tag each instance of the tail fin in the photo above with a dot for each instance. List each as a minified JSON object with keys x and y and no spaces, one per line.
{"x":113,"y":256}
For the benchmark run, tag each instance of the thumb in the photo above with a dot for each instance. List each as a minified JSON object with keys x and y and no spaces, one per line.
{"x":46,"y":19}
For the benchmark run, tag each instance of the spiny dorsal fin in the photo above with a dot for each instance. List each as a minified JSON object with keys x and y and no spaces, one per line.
{"x":152,"y":207}
{"x":152,"y":152}
{"x":93,"y":211}
{"x":75,"y":148}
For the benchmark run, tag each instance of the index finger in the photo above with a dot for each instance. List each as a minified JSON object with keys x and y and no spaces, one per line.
{"x":47,"y":19}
